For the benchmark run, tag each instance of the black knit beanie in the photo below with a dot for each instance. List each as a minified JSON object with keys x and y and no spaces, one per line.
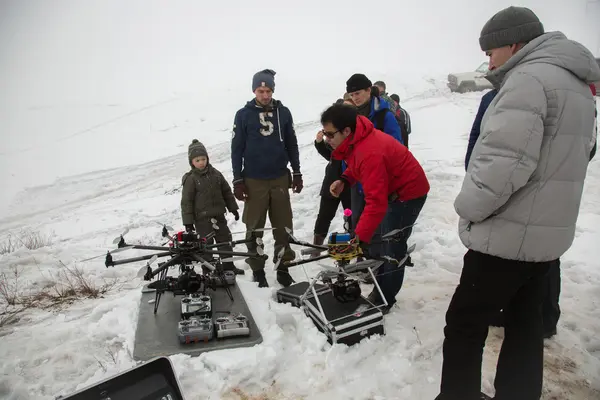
{"x":510,"y":26}
{"x":357,"y":82}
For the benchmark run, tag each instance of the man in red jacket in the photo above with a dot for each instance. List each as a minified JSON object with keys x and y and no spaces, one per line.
{"x":394,"y":184}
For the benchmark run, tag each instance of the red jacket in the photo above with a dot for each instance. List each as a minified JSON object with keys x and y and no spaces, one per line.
{"x":383,"y":166}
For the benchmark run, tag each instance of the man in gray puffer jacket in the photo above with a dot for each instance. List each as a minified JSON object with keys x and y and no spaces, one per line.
{"x":519,"y":201}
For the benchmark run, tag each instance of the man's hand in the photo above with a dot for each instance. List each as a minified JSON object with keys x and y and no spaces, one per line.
{"x":319,"y":137}
{"x":236,"y":214}
{"x":336,"y":188}
{"x":297,"y":183}
{"x":239,"y":190}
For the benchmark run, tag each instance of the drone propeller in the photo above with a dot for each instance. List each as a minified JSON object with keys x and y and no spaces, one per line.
{"x":214,"y":224}
{"x":291,"y":234}
{"x":205,"y":264}
{"x":280,"y":254}
{"x":120,"y":237}
{"x":400,"y":262}
{"x":144,"y":270}
{"x":111,"y":252}
{"x":164,"y":226}
{"x":393,"y":233}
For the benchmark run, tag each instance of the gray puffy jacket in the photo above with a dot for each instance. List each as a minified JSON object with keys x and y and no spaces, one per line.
{"x":520,"y":197}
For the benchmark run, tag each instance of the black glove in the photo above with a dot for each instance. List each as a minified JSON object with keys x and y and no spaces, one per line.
{"x":297,"y":183}
{"x":236,"y":214}
{"x":239,"y":190}
{"x":189,"y":227}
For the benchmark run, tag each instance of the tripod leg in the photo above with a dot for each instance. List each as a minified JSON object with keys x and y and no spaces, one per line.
{"x":161,"y":278}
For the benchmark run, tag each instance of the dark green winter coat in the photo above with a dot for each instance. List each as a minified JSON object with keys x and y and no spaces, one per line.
{"x":205,"y":194}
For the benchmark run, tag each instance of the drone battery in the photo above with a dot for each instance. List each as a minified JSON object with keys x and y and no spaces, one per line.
{"x":338,"y":238}
{"x":232,"y":326}
{"x":346,"y":322}
{"x":196,"y":304}
{"x":293,"y":293}
{"x":195,"y":329}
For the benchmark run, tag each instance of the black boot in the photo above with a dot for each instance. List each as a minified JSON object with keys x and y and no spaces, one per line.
{"x":284,"y":278}
{"x":259,"y":276}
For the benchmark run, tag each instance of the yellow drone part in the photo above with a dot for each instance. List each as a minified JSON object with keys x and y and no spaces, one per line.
{"x":344,"y":251}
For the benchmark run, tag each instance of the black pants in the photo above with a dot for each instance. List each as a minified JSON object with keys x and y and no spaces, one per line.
{"x":487,"y":285}
{"x":550,"y":306}
{"x":327,"y":209}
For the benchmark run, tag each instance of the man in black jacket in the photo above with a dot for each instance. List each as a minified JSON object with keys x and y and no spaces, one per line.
{"x":329,"y":204}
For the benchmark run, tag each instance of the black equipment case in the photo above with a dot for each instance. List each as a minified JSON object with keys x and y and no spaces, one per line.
{"x":292,"y":293}
{"x":346,"y":322}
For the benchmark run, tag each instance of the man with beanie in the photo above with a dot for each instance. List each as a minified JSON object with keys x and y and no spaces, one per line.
{"x":263,"y":143}
{"x":205,"y":195}
{"x":377,"y":110}
{"x":519,"y":201}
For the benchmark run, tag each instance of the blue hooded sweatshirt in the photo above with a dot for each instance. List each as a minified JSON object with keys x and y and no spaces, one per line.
{"x":390,"y":124}
{"x":264,"y":142}
{"x":476,"y":128}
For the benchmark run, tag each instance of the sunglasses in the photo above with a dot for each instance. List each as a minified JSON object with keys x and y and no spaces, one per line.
{"x":329,"y":135}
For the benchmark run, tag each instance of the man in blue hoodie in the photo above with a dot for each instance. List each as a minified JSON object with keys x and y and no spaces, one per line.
{"x":358,"y":86}
{"x":263,"y":143}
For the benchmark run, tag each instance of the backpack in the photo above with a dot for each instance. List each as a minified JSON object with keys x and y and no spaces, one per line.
{"x":403,"y":119}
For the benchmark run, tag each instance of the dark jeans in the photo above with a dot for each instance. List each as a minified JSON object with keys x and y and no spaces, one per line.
{"x":400,"y":214}
{"x":357,"y":200}
{"x":327,"y":209}
{"x":487,"y":285}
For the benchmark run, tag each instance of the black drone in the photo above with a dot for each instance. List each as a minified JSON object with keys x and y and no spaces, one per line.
{"x":187,"y":249}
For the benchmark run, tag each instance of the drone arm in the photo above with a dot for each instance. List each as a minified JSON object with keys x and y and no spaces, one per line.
{"x":112,"y":263}
{"x":155,"y":248}
{"x":171,"y":262}
{"x":231,"y":253}
{"x":295,"y":263}
{"x":232,"y":243}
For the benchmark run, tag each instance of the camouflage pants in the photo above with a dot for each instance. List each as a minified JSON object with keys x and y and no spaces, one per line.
{"x":223,"y":234}
{"x":270,"y":197}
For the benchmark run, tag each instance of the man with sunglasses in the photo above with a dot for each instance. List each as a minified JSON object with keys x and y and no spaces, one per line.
{"x":394,"y":184}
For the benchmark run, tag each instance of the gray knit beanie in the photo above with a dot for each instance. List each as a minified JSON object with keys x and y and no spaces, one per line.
{"x":196,"y":149}
{"x":266,"y":77}
{"x":510,"y":26}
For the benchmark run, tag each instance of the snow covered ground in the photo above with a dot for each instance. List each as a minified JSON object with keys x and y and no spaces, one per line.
{"x":52,"y":352}
{"x":98,"y":103}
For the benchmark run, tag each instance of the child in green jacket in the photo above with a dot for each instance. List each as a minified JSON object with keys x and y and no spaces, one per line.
{"x":206,"y":195}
